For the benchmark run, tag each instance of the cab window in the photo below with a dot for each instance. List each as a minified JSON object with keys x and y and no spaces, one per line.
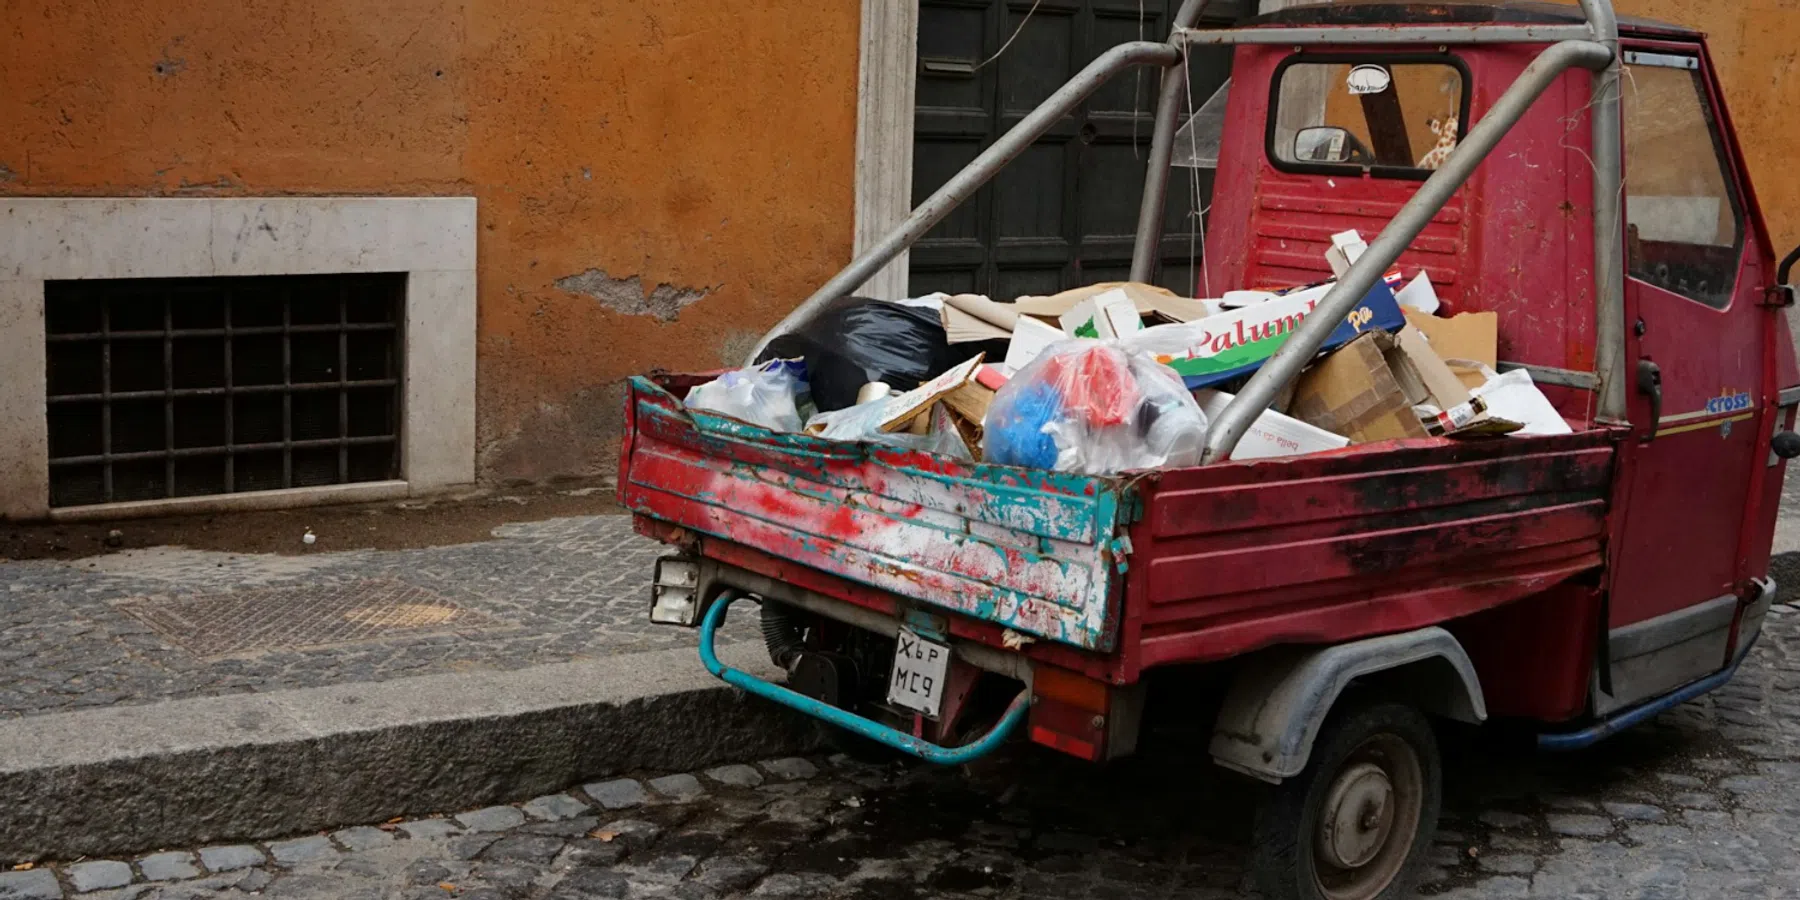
{"x":1394,"y":117}
{"x":1684,"y":224}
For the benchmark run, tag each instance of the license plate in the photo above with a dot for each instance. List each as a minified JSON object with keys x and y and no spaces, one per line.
{"x":920,"y":669}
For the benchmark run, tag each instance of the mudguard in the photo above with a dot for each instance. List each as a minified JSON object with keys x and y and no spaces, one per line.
{"x":1278,"y":700}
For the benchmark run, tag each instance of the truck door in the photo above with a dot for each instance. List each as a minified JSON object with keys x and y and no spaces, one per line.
{"x":1696,"y":335}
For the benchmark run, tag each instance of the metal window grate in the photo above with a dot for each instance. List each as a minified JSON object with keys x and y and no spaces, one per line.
{"x":184,"y":387}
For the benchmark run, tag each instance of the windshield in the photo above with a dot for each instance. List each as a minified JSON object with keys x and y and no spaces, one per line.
{"x":1404,"y":116}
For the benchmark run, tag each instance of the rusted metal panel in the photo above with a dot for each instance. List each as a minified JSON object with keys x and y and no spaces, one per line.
{"x":1031,"y":551}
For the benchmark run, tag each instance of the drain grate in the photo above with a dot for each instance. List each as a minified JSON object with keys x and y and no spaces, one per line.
{"x":300,"y":617}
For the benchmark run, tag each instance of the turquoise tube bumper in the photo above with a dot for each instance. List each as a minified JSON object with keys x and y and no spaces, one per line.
{"x":869,"y":728}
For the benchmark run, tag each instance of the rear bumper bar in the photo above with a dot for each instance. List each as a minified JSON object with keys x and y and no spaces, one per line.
{"x":1009,"y":723}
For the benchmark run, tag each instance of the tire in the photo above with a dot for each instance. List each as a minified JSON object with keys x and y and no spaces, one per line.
{"x":1377,"y":757}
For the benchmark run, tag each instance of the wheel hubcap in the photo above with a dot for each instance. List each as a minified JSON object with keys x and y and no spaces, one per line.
{"x":1368,"y":819}
{"x":1358,"y":816}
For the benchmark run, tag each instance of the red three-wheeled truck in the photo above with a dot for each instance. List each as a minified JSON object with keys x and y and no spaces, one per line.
{"x":1580,"y":179}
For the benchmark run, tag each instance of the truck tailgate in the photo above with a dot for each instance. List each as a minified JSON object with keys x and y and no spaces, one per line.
{"x":1027,"y":550}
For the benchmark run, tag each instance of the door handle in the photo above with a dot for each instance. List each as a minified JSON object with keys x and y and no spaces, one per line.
{"x":1649,"y":383}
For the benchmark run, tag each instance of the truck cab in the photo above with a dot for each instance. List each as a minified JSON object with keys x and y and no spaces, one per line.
{"x":1696,"y":487}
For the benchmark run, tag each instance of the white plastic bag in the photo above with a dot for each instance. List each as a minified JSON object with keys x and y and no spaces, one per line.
{"x":1516,"y":398}
{"x":766,"y":395}
{"x":1097,"y":408}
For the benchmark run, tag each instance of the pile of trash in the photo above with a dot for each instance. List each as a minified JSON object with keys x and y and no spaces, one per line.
{"x":1113,"y":377}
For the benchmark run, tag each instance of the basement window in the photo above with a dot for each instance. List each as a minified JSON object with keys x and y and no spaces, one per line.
{"x":187,"y":387}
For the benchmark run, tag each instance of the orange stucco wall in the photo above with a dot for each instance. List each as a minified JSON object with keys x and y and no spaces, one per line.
{"x":702,"y":145}
{"x":693,"y":144}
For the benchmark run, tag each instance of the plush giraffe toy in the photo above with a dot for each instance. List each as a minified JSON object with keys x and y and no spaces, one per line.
{"x":1445,"y":129}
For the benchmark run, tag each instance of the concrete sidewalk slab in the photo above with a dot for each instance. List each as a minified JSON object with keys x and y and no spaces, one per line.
{"x":109,"y":630}
{"x":264,"y":765}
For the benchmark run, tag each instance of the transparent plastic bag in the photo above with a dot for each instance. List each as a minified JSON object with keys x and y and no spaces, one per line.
{"x":768,"y":395}
{"x":1097,"y":408}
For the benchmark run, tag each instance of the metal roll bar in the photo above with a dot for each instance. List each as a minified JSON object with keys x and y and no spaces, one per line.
{"x":1609,"y":218}
{"x":1146,"y":248}
{"x":965,"y":183}
{"x":1594,"y":46}
{"x":1348,"y":35}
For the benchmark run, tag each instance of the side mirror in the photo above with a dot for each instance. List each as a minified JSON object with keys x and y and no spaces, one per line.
{"x":1785,"y":291}
{"x":1324,"y":143}
{"x":1330,"y":144}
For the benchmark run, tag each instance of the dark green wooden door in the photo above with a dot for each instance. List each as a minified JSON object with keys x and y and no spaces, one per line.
{"x":1064,"y":212}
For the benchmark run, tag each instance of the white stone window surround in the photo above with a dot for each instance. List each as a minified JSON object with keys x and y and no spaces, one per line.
{"x":431,"y":239}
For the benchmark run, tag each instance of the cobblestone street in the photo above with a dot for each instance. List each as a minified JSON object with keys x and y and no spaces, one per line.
{"x":1702,"y":803}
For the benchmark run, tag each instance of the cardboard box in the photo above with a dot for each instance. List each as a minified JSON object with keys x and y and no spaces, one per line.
{"x":1272,"y":434}
{"x":1473,"y":337}
{"x":971,"y":401}
{"x":1346,"y":248}
{"x":1421,"y":374}
{"x":1152,"y":302}
{"x":1354,"y":393}
{"x":1219,"y":348}
{"x":1106,"y":316}
{"x":1029,"y":338}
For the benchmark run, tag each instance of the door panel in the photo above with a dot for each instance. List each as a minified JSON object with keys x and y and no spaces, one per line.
{"x":1694,"y":313}
{"x":1065,"y":212}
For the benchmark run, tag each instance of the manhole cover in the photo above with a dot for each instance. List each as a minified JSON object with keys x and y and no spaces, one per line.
{"x":298,"y":617}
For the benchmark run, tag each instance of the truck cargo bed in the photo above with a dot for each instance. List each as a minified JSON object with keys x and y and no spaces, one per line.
{"x":1171,"y":566}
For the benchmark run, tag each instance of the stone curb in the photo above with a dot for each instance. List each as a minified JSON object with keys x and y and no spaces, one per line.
{"x":256,"y":766}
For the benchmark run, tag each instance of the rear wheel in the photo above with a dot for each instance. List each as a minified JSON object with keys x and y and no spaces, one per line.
{"x":1355,"y":823}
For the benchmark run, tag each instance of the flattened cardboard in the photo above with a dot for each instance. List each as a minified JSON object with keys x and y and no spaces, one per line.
{"x":972,"y":317}
{"x":1152,"y":301}
{"x":1353,"y":393}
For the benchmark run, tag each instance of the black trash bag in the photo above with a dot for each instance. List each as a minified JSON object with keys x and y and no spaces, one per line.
{"x":856,"y":340}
